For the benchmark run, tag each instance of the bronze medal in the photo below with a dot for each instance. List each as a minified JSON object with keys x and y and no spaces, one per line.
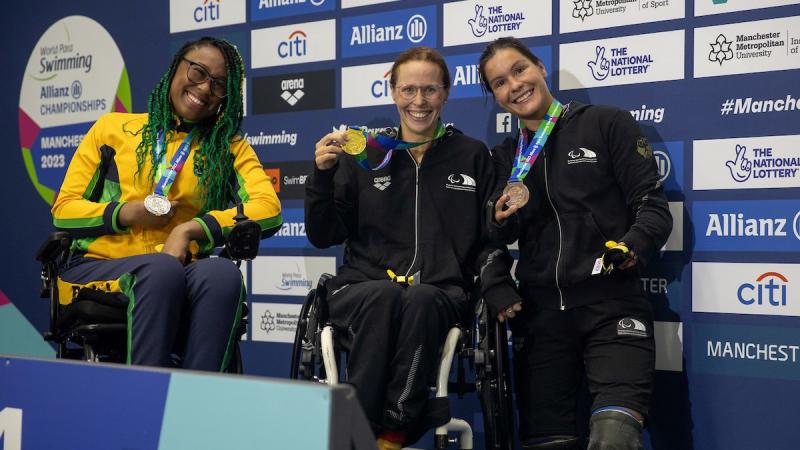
{"x":518,"y":193}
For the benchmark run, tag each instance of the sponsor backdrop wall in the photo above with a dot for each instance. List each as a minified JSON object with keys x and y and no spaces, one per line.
{"x":712,"y":83}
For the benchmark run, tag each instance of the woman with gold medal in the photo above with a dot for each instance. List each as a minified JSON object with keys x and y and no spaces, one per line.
{"x":583,"y":199}
{"x":409,"y":205}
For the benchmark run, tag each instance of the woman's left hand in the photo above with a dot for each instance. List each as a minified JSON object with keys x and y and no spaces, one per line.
{"x":177,"y":243}
{"x":509,"y":312}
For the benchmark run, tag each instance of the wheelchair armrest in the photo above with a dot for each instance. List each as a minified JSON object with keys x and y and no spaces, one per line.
{"x":55,"y":245}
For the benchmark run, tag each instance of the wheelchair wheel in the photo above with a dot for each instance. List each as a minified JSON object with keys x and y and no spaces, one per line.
{"x":493,"y":384}
{"x":298,"y":352}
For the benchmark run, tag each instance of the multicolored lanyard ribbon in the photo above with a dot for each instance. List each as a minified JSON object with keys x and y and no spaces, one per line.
{"x":527,"y":153}
{"x":516,"y":190}
{"x":358,"y":141}
{"x":158,"y":203}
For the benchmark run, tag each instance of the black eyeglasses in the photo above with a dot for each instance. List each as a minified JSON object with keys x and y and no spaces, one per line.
{"x":198,"y":74}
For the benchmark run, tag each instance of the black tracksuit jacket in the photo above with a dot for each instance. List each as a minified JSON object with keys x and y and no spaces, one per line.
{"x":595,"y":180}
{"x":428,"y":220}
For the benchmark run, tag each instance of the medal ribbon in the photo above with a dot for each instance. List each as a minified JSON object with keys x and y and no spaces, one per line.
{"x":388,"y":144}
{"x":527,"y":153}
{"x":169,"y":174}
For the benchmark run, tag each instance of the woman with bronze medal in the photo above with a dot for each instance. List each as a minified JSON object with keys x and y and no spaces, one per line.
{"x":583,"y":199}
{"x":409,"y":205}
{"x":146,"y":196}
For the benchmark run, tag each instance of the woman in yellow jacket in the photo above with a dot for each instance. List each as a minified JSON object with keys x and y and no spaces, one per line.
{"x":147,"y":195}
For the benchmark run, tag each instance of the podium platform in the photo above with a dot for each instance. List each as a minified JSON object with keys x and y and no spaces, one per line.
{"x":56,"y":404}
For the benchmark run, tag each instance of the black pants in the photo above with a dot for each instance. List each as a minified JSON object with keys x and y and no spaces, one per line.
{"x":393,"y":335}
{"x":611,"y":342}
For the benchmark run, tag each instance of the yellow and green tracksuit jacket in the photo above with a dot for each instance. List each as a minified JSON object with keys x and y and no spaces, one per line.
{"x":102,"y":176}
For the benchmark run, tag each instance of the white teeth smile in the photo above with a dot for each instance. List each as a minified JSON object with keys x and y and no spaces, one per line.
{"x":524,"y":97}
{"x":194,"y":99}
{"x":418,"y":114}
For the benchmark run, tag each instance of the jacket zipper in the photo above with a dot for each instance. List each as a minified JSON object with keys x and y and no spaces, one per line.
{"x":416,"y":212}
{"x":560,"y":233}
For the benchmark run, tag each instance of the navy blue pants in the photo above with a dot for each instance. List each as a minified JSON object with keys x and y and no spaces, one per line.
{"x":204,"y":298}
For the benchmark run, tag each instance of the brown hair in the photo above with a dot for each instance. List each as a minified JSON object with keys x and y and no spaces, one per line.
{"x":498,"y":44}
{"x":421,"y":54}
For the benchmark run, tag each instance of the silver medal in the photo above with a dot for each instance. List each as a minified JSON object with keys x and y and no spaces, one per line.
{"x":156,"y":204}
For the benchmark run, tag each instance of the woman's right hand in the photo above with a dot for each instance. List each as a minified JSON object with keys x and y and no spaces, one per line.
{"x":134,"y":213}
{"x":328,"y":149}
{"x":500,"y":215}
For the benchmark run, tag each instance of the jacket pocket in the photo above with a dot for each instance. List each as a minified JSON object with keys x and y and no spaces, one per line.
{"x":582,"y":243}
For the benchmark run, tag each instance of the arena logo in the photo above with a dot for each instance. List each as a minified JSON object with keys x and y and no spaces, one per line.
{"x":494,"y":20}
{"x":619,"y":63}
{"x":769,"y":288}
{"x":762,"y":164}
{"x":292,"y":90}
{"x":381,"y":183}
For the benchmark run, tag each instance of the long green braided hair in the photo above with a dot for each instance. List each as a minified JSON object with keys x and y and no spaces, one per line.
{"x":213,"y":160}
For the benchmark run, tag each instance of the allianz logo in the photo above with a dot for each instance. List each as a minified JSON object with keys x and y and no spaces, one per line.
{"x":466,"y":75}
{"x":292,"y":229}
{"x":737,"y":225}
{"x":415,"y":30}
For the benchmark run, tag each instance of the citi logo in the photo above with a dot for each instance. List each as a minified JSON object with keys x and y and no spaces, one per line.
{"x":380,"y":88}
{"x":415,"y":29}
{"x":721,"y":50}
{"x":770,"y":288}
{"x":663,"y":163}
{"x":581,"y":155}
{"x":737,"y":225}
{"x":292,"y":90}
{"x":381,"y":183}
{"x":208,"y":12}
{"x":460,"y":182}
{"x":294,"y":45}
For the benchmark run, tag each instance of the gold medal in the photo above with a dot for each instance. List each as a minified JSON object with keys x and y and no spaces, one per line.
{"x":518,"y":194}
{"x":356,"y":142}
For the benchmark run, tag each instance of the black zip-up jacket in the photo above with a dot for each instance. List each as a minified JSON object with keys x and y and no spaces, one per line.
{"x":426,"y":220}
{"x":595,"y":180}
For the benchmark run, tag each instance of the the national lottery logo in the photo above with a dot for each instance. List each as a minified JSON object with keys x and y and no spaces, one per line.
{"x":617,"y":61}
{"x":770,"y":288}
{"x":721,"y":50}
{"x":583,"y":9}
{"x":295,"y":45}
{"x":494,"y":19}
{"x":761,"y":164}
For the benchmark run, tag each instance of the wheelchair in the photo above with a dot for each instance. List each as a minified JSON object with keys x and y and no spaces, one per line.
{"x":481,"y":344}
{"x":93,"y":327}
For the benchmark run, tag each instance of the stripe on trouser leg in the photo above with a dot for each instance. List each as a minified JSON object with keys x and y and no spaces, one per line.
{"x":399,"y":414}
{"x":126,"y":283}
